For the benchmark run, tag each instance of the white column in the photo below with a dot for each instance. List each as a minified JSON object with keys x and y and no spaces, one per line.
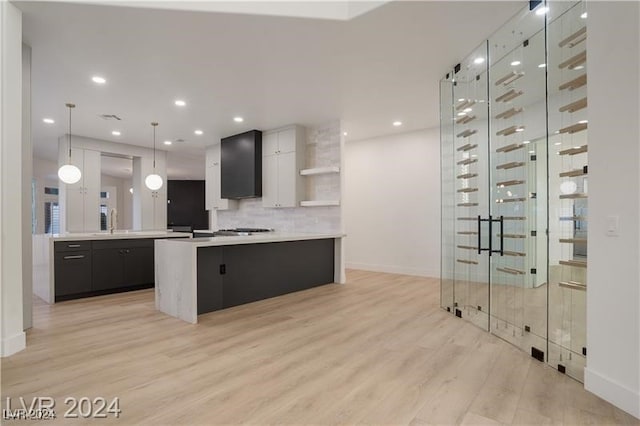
{"x":613,"y":293}
{"x":12,"y":336}
{"x":27,"y":176}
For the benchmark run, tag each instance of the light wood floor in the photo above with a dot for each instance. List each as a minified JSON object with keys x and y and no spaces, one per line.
{"x":378,"y":350}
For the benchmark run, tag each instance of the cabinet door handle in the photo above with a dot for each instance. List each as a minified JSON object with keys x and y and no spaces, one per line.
{"x":77,"y":256}
{"x":73,"y":245}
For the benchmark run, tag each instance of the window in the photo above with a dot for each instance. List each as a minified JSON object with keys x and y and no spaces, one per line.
{"x":103,"y":217}
{"x":51,"y":217}
{"x":50,"y":190}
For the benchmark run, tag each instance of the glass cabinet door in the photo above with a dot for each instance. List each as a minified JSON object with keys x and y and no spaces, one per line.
{"x":568,"y":189}
{"x":469,"y":114}
{"x":518,"y":175}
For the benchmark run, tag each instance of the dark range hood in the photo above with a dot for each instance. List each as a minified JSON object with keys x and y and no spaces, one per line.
{"x":241,"y":165}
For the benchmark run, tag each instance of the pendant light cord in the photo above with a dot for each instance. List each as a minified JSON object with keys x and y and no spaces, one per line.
{"x":154,"y":124}
{"x":70,"y":106}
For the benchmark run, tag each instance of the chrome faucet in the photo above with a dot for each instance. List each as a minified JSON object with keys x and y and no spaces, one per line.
{"x":113,"y":218}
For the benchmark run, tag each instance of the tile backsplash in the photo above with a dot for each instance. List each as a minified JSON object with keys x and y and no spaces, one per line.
{"x":323,"y":149}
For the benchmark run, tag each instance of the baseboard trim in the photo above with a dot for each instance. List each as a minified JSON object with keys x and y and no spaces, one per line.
{"x":13,"y":344}
{"x":392,"y":269}
{"x":621,"y":396}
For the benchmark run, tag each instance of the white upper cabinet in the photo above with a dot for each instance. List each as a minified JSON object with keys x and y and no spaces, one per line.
{"x":283,"y":155}
{"x":82,"y":199}
{"x":213,"y":198}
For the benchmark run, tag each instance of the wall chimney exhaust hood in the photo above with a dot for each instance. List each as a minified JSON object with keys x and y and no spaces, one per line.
{"x":241,"y":165}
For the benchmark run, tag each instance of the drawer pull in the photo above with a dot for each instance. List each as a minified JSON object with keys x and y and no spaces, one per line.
{"x":73,"y":245}
{"x":77,"y":256}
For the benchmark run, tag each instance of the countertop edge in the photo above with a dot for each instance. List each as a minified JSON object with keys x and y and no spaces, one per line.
{"x":251,"y":239}
{"x":87,"y":237}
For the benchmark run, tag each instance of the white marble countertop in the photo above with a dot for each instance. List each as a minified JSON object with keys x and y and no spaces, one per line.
{"x":122,"y":235}
{"x":259,"y":237}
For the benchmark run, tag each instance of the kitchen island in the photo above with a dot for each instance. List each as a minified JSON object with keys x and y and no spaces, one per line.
{"x":202,"y":275}
{"x":75,"y":265}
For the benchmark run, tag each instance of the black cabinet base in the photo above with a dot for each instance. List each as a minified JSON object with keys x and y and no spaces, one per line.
{"x":103,"y":292}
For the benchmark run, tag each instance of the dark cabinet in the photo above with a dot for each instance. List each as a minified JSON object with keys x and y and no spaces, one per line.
{"x":209,"y":287}
{"x":233,"y":275}
{"x":122,"y":263}
{"x":72,"y":272}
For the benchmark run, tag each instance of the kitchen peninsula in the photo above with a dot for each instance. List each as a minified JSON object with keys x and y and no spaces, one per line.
{"x":200,"y":275}
{"x":75,"y":265}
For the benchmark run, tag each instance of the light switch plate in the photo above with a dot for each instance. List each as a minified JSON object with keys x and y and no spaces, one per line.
{"x":612,"y":226}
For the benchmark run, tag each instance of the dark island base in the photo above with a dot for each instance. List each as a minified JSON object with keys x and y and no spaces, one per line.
{"x":234,"y":275}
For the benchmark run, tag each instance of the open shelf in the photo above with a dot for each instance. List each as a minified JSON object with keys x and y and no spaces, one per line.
{"x":510,"y":165}
{"x":577,"y":263}
{"x":574,"y":61}
{"x":573,"y":218}
{"x":574,"y":128}
{"x":467,"y":247}
{"x":575,"y":38}
{"x":509,"y":183}
{"x":510,"y":200}
{"x":320,"y":171}
{"x":512,"y":236}
{"x":573,"y":285}
{"x":509,"y":113}
{"x":574,"y":106}
{"x":575,"y":173}
{"x":465,"y":104}
{"x":575,"y":83}
{"x":511,"y":94}
{"x":514,"y":253}
{"x":467,"y":176}
{"x":467,"y":161}
{"x":575,"y":150}
{"x":573,"y":240}
{"x":509,"y":130}
{"x":467,"y":190}
{"x":511,"y":271}
{"x":465,"y":119}
{"x":467,"y":204}
{"x":319,"y":203}
{"x":468,"y":262}
{"x":509,"y":78}
{"x":573,"y":196}
{"x":514,"y":218}
{"x":467,"y":147}
{"x":466,"y":133}
{"x":467,"y":233}
{"x":509,"y":148}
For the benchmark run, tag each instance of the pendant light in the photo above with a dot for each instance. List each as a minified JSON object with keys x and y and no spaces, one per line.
{"x":69,"y":173}
{"x":154,"y":180}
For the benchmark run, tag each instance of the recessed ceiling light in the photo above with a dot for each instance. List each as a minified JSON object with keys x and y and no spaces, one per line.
{"x":478,"y":60}
{"x":515,"y":63}
{"x":461,"y":99}
{"x":167,"y":142}
{"x":180,"y":102}
{"x":115,"y":133}
{"x":467,"y":110}
{"x":579,"y":67}
{"x":397,"y":123}
{"x":238,"y":119}
{"x":542,"y":65}
{"x":584,"y":15}
{"x":520,"y":129}
{"x":131,"y":190}
{"x":98,"y":79}
{"x":198,"y":132}
{"x":49,"y":120}
{"x":583,"y":121}
{"x":558,"y":143}
{"x":460,"y":114}
{"x":532,"y":152}
{"x":344,"y":134}
{"x":525,"y":142}
{"x":542,"y":11}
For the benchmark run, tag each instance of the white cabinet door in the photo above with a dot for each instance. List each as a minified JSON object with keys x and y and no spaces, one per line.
{"x":91,"y":184}
{"x":209,"y":188}
{"x":287,"y":172}
{"x":74,"y":207}
{"x":160,"y":208}
{"x":269,"y":143}
{"x":270,"y":181}
{"x":287,"y":141}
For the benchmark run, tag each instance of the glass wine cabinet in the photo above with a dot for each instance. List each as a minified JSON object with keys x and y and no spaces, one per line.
{"x":514,"y":184}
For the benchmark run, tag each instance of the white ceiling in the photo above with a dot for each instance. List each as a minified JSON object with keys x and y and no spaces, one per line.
{"x":382,"y":66}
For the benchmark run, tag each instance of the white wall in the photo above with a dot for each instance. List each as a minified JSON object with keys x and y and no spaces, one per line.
{"x":613,"y":293}
{"x":27,"y":166}
{"x":12,"y":336}
{"x":392,"y":212}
